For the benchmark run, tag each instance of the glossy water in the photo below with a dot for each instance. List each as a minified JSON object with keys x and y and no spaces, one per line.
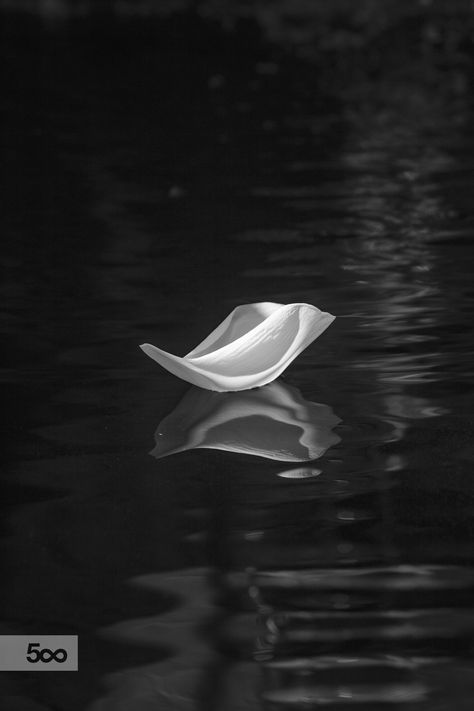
{"x":274,"y":553}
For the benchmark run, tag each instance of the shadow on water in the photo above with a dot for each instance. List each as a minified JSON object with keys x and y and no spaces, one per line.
{"x":335,"y":568}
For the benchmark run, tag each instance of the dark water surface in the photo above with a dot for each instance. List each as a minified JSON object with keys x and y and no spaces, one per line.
{"x":149,"y":189}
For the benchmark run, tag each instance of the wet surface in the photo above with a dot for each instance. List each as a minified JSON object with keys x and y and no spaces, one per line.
{"x":147,"y":192}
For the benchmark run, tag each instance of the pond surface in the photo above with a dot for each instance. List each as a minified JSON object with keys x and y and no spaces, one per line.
{"x":307,"y":545}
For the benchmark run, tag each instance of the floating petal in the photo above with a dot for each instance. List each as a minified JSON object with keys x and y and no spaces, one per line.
{"x":250,"y":348}
{"x":275,"y":422}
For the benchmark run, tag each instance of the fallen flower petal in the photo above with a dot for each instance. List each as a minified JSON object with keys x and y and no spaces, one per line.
{"x":250,"y":348}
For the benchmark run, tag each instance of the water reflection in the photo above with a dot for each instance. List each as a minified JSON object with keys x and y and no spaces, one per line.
{"x":361,"y":619}
{"x":352,"y":634}
{"x":274,"y":422}
{"x":174,"y":683}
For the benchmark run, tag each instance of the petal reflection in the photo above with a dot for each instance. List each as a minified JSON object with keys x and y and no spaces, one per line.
{"x":274,"y":422}
{"x":300,"y":473}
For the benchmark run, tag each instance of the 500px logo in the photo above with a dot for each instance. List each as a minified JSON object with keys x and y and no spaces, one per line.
{"x":45,"y":655}
{"x":38,"y":652}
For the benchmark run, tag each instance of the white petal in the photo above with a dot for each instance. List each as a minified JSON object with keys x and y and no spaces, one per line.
{"x":250,"y":348}
{"x":274,"y":422}
{"x":239,"y":322}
